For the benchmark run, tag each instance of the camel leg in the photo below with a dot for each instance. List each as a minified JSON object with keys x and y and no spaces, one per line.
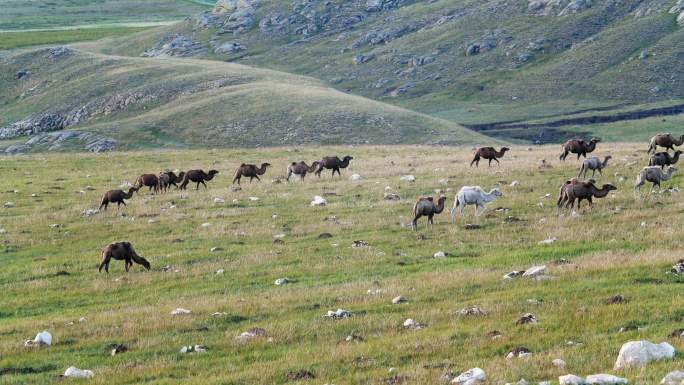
{"x":479,"y":209}
{"x":126,"y":265}
{"x":105,"y":206}
{"x":430,"y":219}
{"x":257,"y":176}
{"x":490,"y":162}
{"x":105,"y":264}
{"x":203,"y":184}
{"x":473,"y":161}
{"x":415,"y":222}
{"x":497,"y":161}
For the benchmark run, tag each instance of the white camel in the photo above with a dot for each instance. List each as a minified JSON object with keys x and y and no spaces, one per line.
{"x":653,"y":174}
{"x":473,"y":195}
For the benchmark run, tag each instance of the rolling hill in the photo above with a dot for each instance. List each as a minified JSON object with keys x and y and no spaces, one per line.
{"x":69,"y":99}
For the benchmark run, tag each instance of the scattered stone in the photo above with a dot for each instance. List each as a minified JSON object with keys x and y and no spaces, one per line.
{"x":514,"y":183}
{"x":319,"y":201}
{"x":673,"y":378}
{"x":616,"y":299}
{"x":571,"y":379}
{"x":219,"y":200}
{"x":494,"y":334}
{"x":339,"y":313}
{"x":605,"y":379}
{"x":206,"y":224}
{"x":677,"y":333}
{"x":359,"y":243}
{"x":391,"y":197}
{"x":21,"y":74}
{"x":118,"y":349}
{"x":8,"y":205}
{"x":636,"y":354}
{"x":300,"y":374}
{"x":180,"y":311}
{"x":220,"y":271}
{"x":558,"y":363}
{"x":408,"y":178}
{"x":75,"y":372}
{"x":534,"y":301}
{"x":535,"y":271}
{"x":43,"y":338}
{"x":514,"y":274}
{"x":473,"y":376}
{"x":399,"y":299}
{"x":678,"y":268}
{"x":219,"y":314}
{"x":353,"y":337}
{"x":518,"y":352}
{"x":282,"y":281}
{"x":230,"y":47}
{"x":355,"y":177}
{"x":215,"y":249}
{"x":528,"y":318}
{"x":411,"y":324}
{"x":252,"y":334}
{"x":55,"y":226}
{"x":471,"y":311}
{"x":548,"y":241}
{"x":193,"y":349}
{"x":253,"y":199}
{"x":440,"y":254}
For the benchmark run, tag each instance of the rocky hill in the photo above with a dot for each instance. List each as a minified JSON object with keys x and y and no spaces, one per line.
{"x":64,"y":98}
{"x":470,"y":61}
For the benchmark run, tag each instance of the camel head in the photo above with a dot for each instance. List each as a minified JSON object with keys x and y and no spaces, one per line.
{"x":671,"y":169}
{"x":264,"y":165}
{"x":594,"y":140}
{"x":347,"y":158}
{"x":496,"y":192}
{"x":608,"y":187}
{"x":442,"y":199}
{"x":607,"y":157}
{"x":678,"y":152}
{"x":504,"y":149}
{"x":212,"y":172}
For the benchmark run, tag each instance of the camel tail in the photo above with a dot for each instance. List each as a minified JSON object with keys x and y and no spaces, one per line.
{"x":651,"y":146}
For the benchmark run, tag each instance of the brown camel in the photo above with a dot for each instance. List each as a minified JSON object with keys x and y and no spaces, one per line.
{"x":149,"y":180}
{"x":117,"y":196}
{"x":164,"y":181}
{"x":251,"y":171}
{"x":300,"y":169}
{"x":664,"y":140}
{"x":488,"y":153}
{"x":333,"y":163}
{"x":579,"y":147}
{"x":425,"y":207}
{"x":574,"y":189}
{"x":121,"y":251}
{"x":663,"y":159}
{"x":197,"y":176}
{"x":173,"y":178}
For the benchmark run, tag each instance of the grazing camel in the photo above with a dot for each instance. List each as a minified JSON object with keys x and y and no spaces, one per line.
{"x":251,"y":171}
{"x":664,"y":140}
{"x":593,"y":164}
{"x":333,"y":163}
{"x":121,"y":251}
{"x":473,"y":195}
{"x":575,"y":190}
{"x":425,"y":207}
{"x":164,"y":181}
{"x":653,"y":174}
{"x":117,"y":196}
{"x":300,"y":169}
{"x":579,"y":147}
{"x":488,"y":153}
{"x":663,"y":159}
{"x":149,"y":180}
{"x":197,"y":176}
{"x":173,"y":178}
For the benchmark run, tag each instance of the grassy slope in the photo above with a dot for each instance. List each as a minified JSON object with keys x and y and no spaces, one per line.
{"x":254,"y":107}
{"x":11,"y":40}
{"x":588,"y":59}
{"x":609,"y":252}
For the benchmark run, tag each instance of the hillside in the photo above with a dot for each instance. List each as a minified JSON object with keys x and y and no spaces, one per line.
{"x":467,"y":61}
{"x":144,"y":103}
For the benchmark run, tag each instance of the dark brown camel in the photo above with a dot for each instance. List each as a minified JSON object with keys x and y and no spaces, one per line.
{"x":579,"y":147}
{"x":197,"y":176}
{"x":149,"y":180}
{"x":301,"y":169}
{"x":664,"y":140}
{"x":251,"y":171}
{"x":121,"y":251}
{"x":488,"y":153}
{"x":425,"y":207}
{"x":663,"y":159}
{"x":333,"y":163}
{"x":173,"y":178}
{"x":574,"y":189}
{"x":117,"y":196}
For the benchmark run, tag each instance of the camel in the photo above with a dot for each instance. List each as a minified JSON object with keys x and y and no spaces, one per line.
{"x":197,"y":176}
{"x":333,"y":163}
{"x":163,"y":182}
{"x":300,"y":169}
{"x":593,"y":164}
{"x":663,"y":159}
{"x":425,"y":207}
{"x":574,"y":189}
{"x":473,"y":195}
{"x":488,"y":153}
{"x":664,"y":140}
{"x":173,"y":178}
{"x":149,"y":180}
{"x":117,"y":196}
{"x":251,"y":171}
{"x":653,"y":174}
{"x":121,"y":251}
{"x":579,"y":147}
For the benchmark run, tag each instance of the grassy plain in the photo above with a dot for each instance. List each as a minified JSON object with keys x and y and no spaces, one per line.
{"x":623,"y":246}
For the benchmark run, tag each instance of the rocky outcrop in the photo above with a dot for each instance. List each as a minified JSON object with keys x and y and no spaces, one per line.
{"x":63,"y":140}
{"x":175,"y":45}
{"x":34,"y":124}
{"x":558,"y":7}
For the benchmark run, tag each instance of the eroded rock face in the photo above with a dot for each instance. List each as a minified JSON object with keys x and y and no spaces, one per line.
{"x":558,"y":7}
{"x":175,"y":45}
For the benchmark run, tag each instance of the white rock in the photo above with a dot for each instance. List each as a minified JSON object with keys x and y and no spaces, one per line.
{"x":180,"y":311}
{"x":558,"y":363}
{"x":220,"y":271}
{"x":206,"y":224}
{"x":339,"y":313}
{"x":408,"y":178}
{"x":571,"y":379}
{"x":253,"y":199}
{"x":673,"y":378}
{"x":548,"y":241}
{"x":605,"y":379}
{"x":8,"y":204}
{"x":75,"y":372}
{"x":193,"y":348}
{"x":535,"y":271}
{"x":473,"y":376}
{"x":282,"y":281}
{"x":3,"y":231}
{"x":399,"y":299}
{"x":319,"y":201}
{"x":43,"y":338}
{"x":636,"y":354}
{"x":55,"y":226}
{"x":411,"y":324}
{"x":219,"y":314}
{"x":514,"y":183}
{"x":355,"y":177}
{"x":219,"y":200}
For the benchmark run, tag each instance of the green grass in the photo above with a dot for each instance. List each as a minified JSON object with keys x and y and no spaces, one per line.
{"x":10,"y":40}
{"x":610,"y":252}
